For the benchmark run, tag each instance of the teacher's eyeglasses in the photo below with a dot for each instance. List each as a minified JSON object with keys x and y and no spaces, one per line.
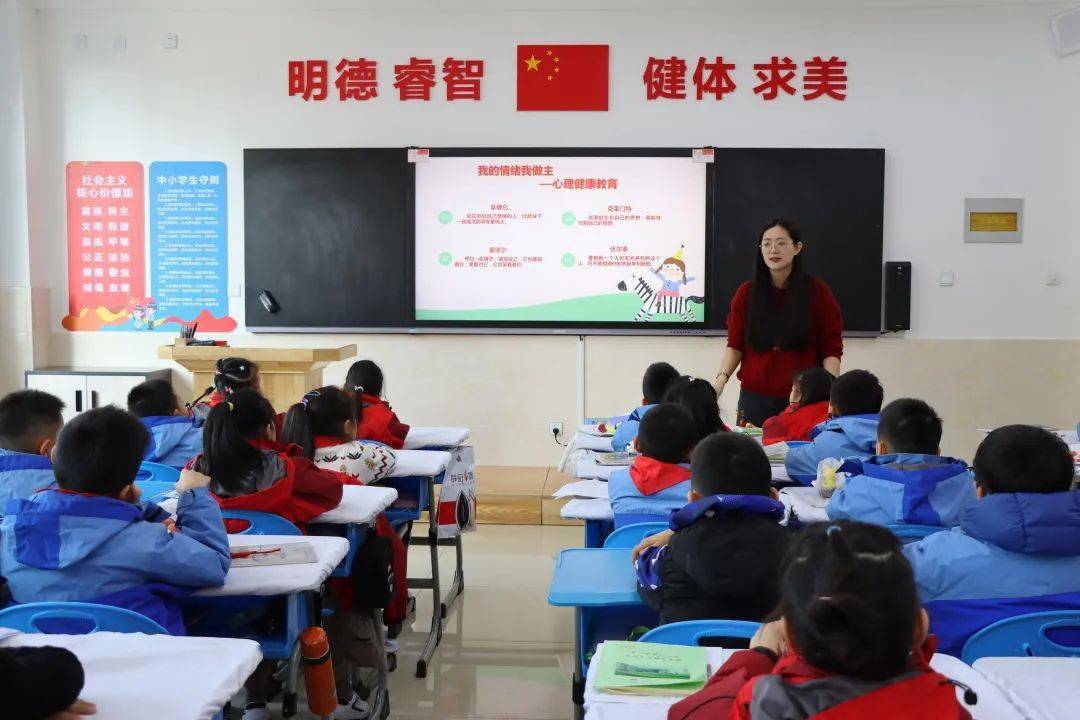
{"x":778,"y":244}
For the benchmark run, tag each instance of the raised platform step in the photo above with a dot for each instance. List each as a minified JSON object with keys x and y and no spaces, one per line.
{"x":519,"y":495}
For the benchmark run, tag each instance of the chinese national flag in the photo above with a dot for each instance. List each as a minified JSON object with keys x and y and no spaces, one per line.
{"x":562,"y":77}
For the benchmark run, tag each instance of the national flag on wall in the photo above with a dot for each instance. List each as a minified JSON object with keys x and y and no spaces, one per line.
{"x":562,"y":77}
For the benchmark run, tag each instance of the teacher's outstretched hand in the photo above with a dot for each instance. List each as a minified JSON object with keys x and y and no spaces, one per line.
{"x":781,"y":321}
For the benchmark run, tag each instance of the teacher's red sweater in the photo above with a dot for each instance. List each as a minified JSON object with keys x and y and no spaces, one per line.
{"x":770,"y":372}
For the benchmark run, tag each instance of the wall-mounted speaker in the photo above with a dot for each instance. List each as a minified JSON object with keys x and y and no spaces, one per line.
{"x":1065,"y":29}
{"x":897,"y":315}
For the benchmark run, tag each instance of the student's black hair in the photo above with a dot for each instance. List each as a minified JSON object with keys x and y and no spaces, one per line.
{"x":366,"y":377}
{"x":228,"y":456}
{"x":856,"y":392}
{"x":814,"y":384}
{"x":320,"y":412}
{"x":909,"y":425}
{"x":849,"y":599}
{"x":232,"y":374}
{"x":667,"y":433}
{"x":152,"y":398}
{"x":699,"y":397}
{"x":27,"y":416}
{"x":728,"y":463}
{"x":656,"y":380}
{"x":100,"y":451}
{"x":1023,"y":459}
{"x":770,"y":324}
{"x":39,"y":682}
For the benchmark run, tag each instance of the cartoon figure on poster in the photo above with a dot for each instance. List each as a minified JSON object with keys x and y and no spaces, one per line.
{"x":660,"y":290}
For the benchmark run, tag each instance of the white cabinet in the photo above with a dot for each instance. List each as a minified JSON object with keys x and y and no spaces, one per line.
{"x":83,"y":389}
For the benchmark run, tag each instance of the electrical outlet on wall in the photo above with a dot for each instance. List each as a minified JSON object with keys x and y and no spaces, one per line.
{"x":555,"y":428}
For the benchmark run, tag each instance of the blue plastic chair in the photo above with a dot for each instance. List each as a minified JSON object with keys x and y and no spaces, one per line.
{"x":911,"y":533}
{"x":1024,"y":636}
{"x":692,"y":632}
{"x":629,"y":536}
{"x":261,"y":523}
{"x":156,"y":472}
{"x":34,"y":617}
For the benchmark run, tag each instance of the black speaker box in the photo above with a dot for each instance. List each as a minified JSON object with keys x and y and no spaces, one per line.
{"x":897,"y":297}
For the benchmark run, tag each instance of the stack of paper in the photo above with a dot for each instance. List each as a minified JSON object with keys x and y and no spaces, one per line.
{"x":635,"y":668}
{"x":777,"y":452}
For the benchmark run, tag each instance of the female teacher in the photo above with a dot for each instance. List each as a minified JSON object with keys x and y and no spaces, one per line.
{"x":781,"y":321}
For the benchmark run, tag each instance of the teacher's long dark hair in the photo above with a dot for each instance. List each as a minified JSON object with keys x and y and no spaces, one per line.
{"x":770,"y":324}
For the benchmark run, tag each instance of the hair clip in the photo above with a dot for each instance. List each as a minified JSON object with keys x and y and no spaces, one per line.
{"x":308,"y":397}
{"x":832,"y":529}
{"x":358,"y":388}
{"x":230,"y":406}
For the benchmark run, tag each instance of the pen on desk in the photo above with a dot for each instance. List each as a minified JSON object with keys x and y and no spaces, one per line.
{"x":240,"y":554}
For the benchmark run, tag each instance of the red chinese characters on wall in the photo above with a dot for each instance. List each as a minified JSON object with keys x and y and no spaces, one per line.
{"x":665,"y":78}
{"x":357,"y":80}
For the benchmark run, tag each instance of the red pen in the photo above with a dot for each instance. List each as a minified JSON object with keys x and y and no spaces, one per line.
{"x":239,"y":554}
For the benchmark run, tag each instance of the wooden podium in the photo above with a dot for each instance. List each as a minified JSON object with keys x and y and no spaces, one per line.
{"x":286,"y":373}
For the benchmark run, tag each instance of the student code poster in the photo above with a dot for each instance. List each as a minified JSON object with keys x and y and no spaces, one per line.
{"x":560,"y":239}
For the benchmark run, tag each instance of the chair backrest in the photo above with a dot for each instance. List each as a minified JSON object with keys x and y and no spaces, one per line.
{"x":692,"y":632}
{"x":911,"y":533}
{"x":630,"y":535}
{"x":257,"y":523}
{"x":1032,"y":635}
{"x":157,"y":472}
{"x":76,"y":618}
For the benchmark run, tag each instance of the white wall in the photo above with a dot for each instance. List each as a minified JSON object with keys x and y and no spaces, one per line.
{"x":967,"y":101}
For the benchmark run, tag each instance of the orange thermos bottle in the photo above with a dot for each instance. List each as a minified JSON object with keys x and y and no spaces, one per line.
{"x":318,"y":672}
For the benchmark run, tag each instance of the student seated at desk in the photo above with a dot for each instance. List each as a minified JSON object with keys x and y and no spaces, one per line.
{"x":810,"y":389}
{"x":653,"y":386}
{"x":852,"y":642}
{"x":90,"y":540}
{"x":175,"y":437}
{"x":230,"y":375}
{"x":854,"y":403}
{"x":29,"y":423}
{"x":699,"y":397}
{"x":1017,"y":549}
{"x":377,"y":419}
{"x":42,"y":683}
{"x":659,"y":479}
{"x":721,"y":559}
{"x":250,"y":471}
{"x":907,"y":481}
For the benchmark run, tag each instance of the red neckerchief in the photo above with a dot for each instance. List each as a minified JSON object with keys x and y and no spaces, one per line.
{"x":650,"y":476}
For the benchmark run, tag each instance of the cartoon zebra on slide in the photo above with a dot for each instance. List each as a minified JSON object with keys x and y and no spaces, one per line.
{"x":646,"y":287}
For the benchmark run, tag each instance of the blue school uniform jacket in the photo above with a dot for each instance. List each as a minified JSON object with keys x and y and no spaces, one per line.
{"x":174,"y":440}
{"x":904,"y":488}
{"x":842,"y":437}
{"x":1013,"y":554}
{"x":628,"y":428}
{"x":630,"y":505}
{"x":61,"y":546}
{"x":22,"y":475}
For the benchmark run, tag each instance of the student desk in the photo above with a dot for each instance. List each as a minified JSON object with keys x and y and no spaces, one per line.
{"x":806,"y":502}
{"x":601,"y":586}
{"x":992,"y":705}
{"x":269,"y":580}
{"x":132,"y":676}
{"x":435,"y":438}
{"x":1040,"y":688}
{"x":417,"y":473}
{"x":360,"y":505}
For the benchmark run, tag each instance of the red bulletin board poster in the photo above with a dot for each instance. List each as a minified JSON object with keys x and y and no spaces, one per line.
{"x":106,"y":267}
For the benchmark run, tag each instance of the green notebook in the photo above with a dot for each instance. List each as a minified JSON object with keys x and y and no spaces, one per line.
{"x":636,"y":668}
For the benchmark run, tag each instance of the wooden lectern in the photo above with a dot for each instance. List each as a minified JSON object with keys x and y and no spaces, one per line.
{"x":286,"y":373}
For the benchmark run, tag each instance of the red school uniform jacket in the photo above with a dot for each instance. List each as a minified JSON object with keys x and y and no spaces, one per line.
{"x":751,"y":685}
{"x":794,"y":423}
{"x":288,"y":485}
{"x":379,"y":423}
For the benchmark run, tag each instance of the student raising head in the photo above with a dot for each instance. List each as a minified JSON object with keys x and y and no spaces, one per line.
{"x":92,"y":541}
{"x":699,"y":397}
{"x":654,"y":384}
{"x":231,"y":375}
{"x":175,"y":438}
{"x":1017,"y":549}
{"x":852,"y":641}
{"x":808,"y":408}
{"x":907,"y":481}
{"x":29,"y":423}
{"x":377,"y":420}
{"x":659,"y":479}
{"x":854,"y":403}
{"x":323,"y":426}
{"x":722,"y":557}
